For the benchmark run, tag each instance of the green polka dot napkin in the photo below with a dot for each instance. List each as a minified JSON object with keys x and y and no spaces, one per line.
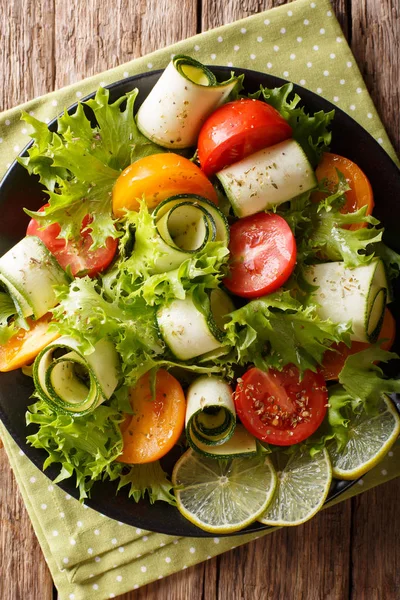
{"x":91,"y":556}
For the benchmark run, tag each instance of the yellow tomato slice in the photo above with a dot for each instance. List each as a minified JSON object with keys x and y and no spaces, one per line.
{"x":360,"y":193}
{"x":24,"y":346}
{"x":156,"y":178}
{"x":157,"y":423}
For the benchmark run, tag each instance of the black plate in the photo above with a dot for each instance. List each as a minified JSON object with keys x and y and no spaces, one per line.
{"x":18,"y":190}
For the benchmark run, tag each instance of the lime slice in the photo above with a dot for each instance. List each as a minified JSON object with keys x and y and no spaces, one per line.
{"x":370,"y":438}
{"x":223,"y":496}
{"x":303,"y":485}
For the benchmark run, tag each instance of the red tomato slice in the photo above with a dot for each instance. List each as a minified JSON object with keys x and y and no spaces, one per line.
{"x":263,"y":255}
{"x":77,"y":256}
{"x":238,"y":129}
{"x":279,"y":409}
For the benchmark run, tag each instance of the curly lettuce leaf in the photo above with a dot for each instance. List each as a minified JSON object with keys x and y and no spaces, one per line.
{"x":334,"y":429}
{"x":364,"y":381}
{"x":277,"y":330}
{"x":85,"y":447}
{"x":86,"y":315}
{"x":312,"y":132}
{"x":321,"y":228}
{"x":80,"y":163}
{"x":148,"y":481}
{"x":135,"y":273}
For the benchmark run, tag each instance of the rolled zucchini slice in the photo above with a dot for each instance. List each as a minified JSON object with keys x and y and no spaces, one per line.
{"x":240,"y":445}
{"x":356,"y":296}
{"x":71,"y":382}
{"x":267,"y":178}
{"x":210,"y":413}
{"x":189,"y":332}
{"x":186,"y":224}
{"x":28,"y":273}
{"x":177,"y":106}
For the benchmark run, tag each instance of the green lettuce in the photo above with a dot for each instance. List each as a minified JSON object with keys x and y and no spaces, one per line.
{"x":85,"y":447}
{"x":147,"y":480}
{"x":362,"y":384}
{"x":85,"y":314}
{"x":277,"y":330}
{"x":135,"y":273}
{"x":80,"y":163}
{"x":364,"y":381}
{"x":335,"y":425}
{"x":311,"y":131}
{"x":322,"y":230}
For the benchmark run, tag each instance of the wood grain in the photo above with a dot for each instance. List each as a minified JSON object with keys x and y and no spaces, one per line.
{"x":349,"y":552}
{"x":309,"y":562}
{"x":23,"y":571}
{"x":375,"y":555}
{"x":90,"y":38}
{"x":26,"y":50}
{"x":376,"y":45}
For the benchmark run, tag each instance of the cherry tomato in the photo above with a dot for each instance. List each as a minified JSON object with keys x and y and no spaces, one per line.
{"x":156,"y":178}
{"x":277,"y":408}
{"x":360,"y":193}
{"x":334,"y":358}
{"x":157,"y":423}
{"x":23,"y":347}
{"x":238,"y":129}
{"x":76,"y":255}
{"x":263,"y":255}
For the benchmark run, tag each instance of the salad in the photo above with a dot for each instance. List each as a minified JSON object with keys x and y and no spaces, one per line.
{"x":204,"y":275}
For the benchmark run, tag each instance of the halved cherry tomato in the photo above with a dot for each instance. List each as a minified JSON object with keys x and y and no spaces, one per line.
{"x":359,"y":195}
{"x":263,"y":255}
{"x":157,"y":423}
{"x":24,"y":346}
{"x":238,"y":129}
{"x":76,"y":255}
{"x":334,"y":359}
{"x":156,"y":178}
{"x":277,"y":408}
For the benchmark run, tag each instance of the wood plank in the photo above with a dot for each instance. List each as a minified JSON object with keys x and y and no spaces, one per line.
{"x":376,"y":45}
{"x":215,"y":14}
{"x":309,"y":562}
{"x":26,"y":50}
{"x":23,"y":571}
{"x":375,"y":544}
{"x":91,"y":38}
{"x":195,"y":583}
{"x":27,"y":68}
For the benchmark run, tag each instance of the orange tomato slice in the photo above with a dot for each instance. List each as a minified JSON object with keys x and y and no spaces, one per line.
{"x":334,"y":359}
{"x":360,"y":193}
{"x":24,"y":346}
{"x":156,"y":424}
{"x":158,"y":177}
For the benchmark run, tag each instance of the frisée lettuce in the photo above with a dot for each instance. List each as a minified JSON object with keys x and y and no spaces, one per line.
{"x":81,"y":162}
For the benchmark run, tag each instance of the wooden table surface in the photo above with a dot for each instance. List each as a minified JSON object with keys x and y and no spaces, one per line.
{"x":350,"y":551}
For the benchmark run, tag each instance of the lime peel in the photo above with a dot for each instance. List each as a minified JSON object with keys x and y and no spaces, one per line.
{"x":223,"y":496}
{"x":303,"y":485}
{"x":370,"y":438}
